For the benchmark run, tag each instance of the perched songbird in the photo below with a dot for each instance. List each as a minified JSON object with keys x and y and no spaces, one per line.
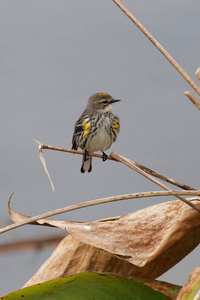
{"x":96,"y":129}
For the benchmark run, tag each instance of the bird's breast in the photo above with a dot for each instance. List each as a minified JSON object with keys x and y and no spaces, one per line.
{"x":101,"y":138}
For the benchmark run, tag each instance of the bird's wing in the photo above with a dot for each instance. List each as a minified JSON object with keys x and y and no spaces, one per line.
{"x":81,"y":130}
{"x":116,"y":125}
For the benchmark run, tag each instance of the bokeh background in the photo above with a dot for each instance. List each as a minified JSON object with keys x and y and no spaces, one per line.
{"x":54,"y":55}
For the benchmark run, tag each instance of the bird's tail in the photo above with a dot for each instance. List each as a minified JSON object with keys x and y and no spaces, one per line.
{"x":87,"y":163}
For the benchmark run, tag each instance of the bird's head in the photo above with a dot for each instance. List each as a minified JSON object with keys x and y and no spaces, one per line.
{"x":101,"y":101}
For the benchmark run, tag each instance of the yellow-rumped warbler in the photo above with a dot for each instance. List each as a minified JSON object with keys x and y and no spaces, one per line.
{"x":96,"y":129}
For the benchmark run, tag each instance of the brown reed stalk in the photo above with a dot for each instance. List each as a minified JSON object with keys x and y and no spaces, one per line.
{"x":142,"y":167}
{"x":131,"y":165}
{"x":162,"y":50}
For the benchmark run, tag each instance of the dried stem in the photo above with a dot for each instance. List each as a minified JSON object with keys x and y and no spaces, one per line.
{"x":198,"y":73}
{"x":160,"y":48}
{"x":96,"y":202}
{"x":116,"y":157}
{"x":43,"y":146}
{"x":132,"y":165}
{"x":146,"y":169}
{"x":193,"y":99}
{"x":164,"y":178}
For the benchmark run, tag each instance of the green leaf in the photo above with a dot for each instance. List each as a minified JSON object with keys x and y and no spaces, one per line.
{"x":86,"y":286}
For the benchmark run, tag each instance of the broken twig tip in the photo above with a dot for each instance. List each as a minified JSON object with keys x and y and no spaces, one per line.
{"x":193,"y":99}
{"x":198,"y":73}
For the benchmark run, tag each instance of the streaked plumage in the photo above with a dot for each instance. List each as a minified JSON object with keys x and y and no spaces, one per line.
{"x":96,"y":129}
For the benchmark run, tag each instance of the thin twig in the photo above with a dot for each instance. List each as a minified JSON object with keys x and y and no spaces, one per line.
{"x":131,"y":165}
{"x":159,"y":47}
{"x":96,"y":202}
{"x":44,"y":146}
{"x":146,"y":169}
{"x":163,"y":177}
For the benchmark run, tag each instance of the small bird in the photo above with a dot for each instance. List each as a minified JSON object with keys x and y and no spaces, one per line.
{"x":96,"y":129}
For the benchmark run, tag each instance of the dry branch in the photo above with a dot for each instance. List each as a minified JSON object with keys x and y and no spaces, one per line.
{"x":144,"y":168}
{"x":116,"y":157}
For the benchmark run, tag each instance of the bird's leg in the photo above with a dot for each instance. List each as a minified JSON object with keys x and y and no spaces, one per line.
{"x":85,"y":155}
{"x":105,"y":156}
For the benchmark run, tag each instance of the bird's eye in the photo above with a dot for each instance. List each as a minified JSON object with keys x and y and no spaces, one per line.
{"x":105,"y":102}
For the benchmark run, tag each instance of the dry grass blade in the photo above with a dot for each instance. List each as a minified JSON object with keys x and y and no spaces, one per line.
{"x":41,"y":156}
{"x":132,"y":165}
{"x":159,"y":47}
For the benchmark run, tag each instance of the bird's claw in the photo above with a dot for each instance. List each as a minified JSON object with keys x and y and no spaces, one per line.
{"x":104,"y":157}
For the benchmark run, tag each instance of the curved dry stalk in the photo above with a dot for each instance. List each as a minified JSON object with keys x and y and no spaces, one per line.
{"x":96,"y":202}
{"x":146,"y":169}
{"x":131,"y":165}
{"x":162,"y":50}
{"x":113,"y":156}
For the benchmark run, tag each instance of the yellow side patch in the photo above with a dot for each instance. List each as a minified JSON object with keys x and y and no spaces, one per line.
{"x":116,"y":125}
{"x":86,"y":127}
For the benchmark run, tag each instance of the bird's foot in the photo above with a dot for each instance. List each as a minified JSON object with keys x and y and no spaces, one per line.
{"x":104,"y":157}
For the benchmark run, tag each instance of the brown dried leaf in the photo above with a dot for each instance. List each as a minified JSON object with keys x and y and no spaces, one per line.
{"x":72,"y":256}
{"x":192,"y":286}
{"x":17,"y":217}
{"x":156,"y":237}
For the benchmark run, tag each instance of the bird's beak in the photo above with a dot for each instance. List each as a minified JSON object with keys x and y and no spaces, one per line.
{"x":114,"y":100}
